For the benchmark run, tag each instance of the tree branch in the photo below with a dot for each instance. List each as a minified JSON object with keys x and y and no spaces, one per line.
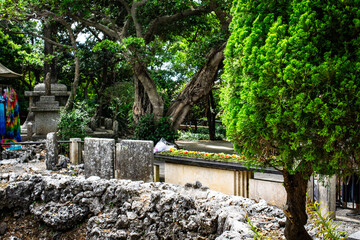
{"x":221,"y":15}
{"x":125,"y":5}
{"x":98,"y":26}
{"x":134,"y":8}
{"x":37,"y":35}
{"x":154,"y":24}
{"x":94,"y":34}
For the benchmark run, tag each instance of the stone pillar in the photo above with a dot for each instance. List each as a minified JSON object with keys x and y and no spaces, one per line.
{"x":29,"y":128}
{"x":51,"y":151}
{"x":75,"y":151}
{"x":108,"y":123}
{"x":115,"y":127}
{"x":93,"y":124}
{"x":47,"y":84}
{"x":327,"y":195}
{"x":135,"y":160}
{"x":99,"y":155}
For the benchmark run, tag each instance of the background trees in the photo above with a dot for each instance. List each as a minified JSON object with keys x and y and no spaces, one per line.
{"x":292,"y":91}
{"x":146,"y":37}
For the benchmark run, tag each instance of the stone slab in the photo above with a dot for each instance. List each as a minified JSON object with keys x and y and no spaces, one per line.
{"x":99,"y":156}
{"x":354,"y":236}
{"x":58,"y":87}
{"x":51,"y":151}
{"x":135,"y":160}
{"x":37,"y":94}
{"x":46,"y":122}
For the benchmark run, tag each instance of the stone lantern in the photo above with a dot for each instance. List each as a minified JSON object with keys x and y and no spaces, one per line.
{"x":44,"y":110}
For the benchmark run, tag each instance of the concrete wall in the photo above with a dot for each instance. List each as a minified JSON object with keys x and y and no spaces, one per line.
{"x":268,"y":187}
{"x":264,"y":186}
{"x":225,"y":181}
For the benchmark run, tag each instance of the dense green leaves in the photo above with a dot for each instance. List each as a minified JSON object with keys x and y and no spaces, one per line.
{"x":149,"y":128}
{"x":292,"y":83}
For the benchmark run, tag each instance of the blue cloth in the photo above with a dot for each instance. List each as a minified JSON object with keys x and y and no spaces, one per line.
{"x":2,"y":116}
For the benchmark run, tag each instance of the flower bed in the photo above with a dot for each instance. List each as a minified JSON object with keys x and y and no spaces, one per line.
{"x":204,"y":155}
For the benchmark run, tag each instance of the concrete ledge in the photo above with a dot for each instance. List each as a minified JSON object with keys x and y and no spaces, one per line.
{"x":269,"y":177}
{"x":42,"y":93}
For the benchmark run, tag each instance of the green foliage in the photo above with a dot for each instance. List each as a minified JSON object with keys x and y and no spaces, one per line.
{"x":149,"y":129}
{"x":325,"y":226}
{"x":120,"y":101}
{"x":223,"y":157}
{"x":191,"y":136}
{"x":257,"y":234}
{"x":292,"y":83}
{"x":73,"y":123}
{"x":202,"y":134}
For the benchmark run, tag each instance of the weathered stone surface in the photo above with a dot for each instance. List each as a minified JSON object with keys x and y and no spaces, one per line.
{"x":115,"y":127}
{"x":99,"y":154}
{"x":123,"y":209}
{"x":135,"y":160}
{"x":29,"y":128}
{"x":46,"y":114}
{"x":108,"y":123}
{"x":59,"y":216}
{"x":93,"y":124}
{"x":55,"y":87}
{"x":354,"y":236}
{"x":52,"y":151}
{"x":3,"y":228}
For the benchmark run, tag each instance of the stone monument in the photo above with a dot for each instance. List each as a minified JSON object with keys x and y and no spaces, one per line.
{"x":135,"y":160}
{"x":99,"y":157}
{"x":44,"y":109}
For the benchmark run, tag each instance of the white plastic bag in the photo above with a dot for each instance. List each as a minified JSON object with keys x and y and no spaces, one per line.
{"x":163,"y":146}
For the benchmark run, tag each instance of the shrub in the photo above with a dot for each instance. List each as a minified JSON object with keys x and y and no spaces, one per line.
{"x":150,"y":129}
{"x":191,"y":136}
{"x":73,"y":123}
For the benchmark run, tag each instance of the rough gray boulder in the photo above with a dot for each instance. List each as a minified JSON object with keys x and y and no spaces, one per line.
{"x":124,"y":209}
{"x":59,"y":216}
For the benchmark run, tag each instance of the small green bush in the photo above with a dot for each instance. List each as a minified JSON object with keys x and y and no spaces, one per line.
{"x":150,"y":129}
{"x":73,"y":123}
{"x":191,"y":136}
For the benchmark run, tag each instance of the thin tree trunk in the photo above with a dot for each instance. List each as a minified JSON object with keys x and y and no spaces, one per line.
{"x":198,"y":87}
{"x":295,"y":210}
{"x":70,"y":102}
{"x":50,"y":29}
{"x":211,"y":114}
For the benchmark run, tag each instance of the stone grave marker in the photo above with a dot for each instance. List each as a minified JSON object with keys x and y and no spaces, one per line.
{"x":135,"y":160}
{"x":51,"y":151}
{"x":99,"y":155}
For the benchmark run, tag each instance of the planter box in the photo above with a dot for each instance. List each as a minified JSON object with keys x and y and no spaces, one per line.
{"x":226,"y":177}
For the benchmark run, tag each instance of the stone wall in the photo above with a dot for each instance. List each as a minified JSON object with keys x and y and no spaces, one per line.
{"x":123,"y":209}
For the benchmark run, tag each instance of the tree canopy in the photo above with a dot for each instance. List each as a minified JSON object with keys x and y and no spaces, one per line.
{"x":291,"y":97}
{"x":138,"y":34}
